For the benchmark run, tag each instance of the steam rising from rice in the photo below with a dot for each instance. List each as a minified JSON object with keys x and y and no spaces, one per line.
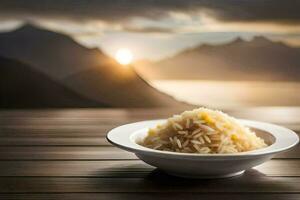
{"x":202,"y":131}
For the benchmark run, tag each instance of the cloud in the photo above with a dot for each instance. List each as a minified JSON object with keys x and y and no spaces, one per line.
{"x":120,"y":12}
{"x":148,"y":29}
{"x":276,"y":11}
{"x":280,"y":11}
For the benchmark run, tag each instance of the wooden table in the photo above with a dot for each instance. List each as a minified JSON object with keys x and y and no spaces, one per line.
{"x":63,"y":154}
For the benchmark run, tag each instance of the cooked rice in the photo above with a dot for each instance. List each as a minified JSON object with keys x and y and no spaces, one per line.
{"x":202,"y":131}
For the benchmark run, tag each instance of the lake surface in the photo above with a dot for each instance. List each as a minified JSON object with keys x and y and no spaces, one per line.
{"x":227,"y":94}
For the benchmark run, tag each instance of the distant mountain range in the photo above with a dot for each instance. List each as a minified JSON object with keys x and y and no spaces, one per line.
{"x":51,"y":69}
{"x":258,"y":59}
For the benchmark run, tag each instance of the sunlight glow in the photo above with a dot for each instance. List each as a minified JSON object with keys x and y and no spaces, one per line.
{"x":124,"y":56}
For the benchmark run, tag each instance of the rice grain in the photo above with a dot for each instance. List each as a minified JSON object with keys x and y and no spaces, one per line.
{"x":202,"y":131}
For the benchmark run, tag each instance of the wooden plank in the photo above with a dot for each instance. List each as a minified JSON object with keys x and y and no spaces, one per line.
{"x":25,"y":139}
{"x":293,"y":153}
{"x":63,"y":153}
{"x":89,"y":123}
{"x":29,"y":131}
{"x":128,"y":168}
{"x":70,"y":130}
{"x":93,"y":112}
{"x":55,"y":133}
{"x":54,"y":141}
{"x":251,"y":182}
{"x":44,"y":130}
{"x":272,"y":114}
{"x":25,"y":122}
{"x":82,"y":121}
{"x":84,"y":153}
{"x":149,"y":196}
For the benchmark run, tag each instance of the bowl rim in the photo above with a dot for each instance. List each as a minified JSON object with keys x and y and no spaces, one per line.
{"x":122,"y":137}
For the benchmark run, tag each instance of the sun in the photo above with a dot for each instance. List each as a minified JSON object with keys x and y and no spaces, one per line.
{"x":124,"y":56}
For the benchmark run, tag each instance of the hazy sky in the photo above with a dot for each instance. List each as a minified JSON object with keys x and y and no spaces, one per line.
{"x":155,"y":29}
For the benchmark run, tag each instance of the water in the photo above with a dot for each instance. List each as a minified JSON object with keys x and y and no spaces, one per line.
{"x":227,"y":94}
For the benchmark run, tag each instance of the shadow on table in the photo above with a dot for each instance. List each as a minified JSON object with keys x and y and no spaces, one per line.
{"x":134,"y":179}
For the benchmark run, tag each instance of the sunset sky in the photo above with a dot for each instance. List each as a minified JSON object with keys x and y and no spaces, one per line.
{"x":156,"y":29}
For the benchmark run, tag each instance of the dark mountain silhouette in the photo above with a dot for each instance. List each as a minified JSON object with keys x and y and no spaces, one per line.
{"x":87,"y":72}
{"x":22,"y":87}
{"x":54,"y":54}
{"x":258,"y":59}
{"x":119,"y":87}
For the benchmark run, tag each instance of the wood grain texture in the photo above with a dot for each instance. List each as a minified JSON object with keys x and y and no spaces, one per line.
{"x":274,"y":113}
{"x":63,"y":154}
{"x":122,"y":168}
{"x":251,"y":182}
{"x":85,"y":153}
{"x":53,"y":141}
{"x":148,"y":196}
{"x":88,"y":127}
{"x":280,"y":115}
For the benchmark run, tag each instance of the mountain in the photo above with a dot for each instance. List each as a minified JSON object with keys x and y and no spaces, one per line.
{"x":22,"y":87}
{"x":87,"y":72}
{"x":54,"y":54}
{"x":120,"y":88}
{"x":258,"y":59}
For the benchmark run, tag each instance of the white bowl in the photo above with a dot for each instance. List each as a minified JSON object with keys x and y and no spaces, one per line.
{"x":191,"y":165}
